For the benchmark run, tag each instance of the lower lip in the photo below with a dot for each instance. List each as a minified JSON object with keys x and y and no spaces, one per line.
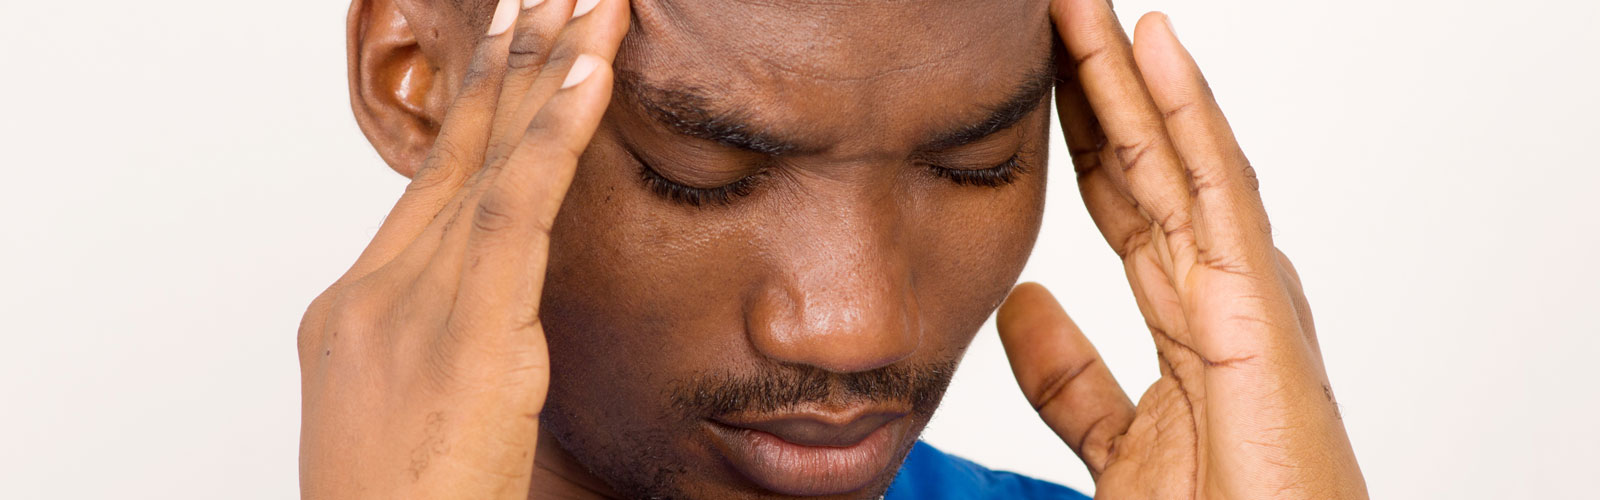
{"x":791,"y":469}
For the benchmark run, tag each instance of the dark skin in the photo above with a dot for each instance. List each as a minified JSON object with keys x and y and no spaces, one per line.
{"x":773,"y":194}
{"x":847,"y":255}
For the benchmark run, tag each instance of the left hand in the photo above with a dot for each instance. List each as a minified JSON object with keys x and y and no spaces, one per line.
{"x":1243,"y":408}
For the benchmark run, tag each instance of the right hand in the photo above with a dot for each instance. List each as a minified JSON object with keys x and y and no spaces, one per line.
{"x":424,"y":368}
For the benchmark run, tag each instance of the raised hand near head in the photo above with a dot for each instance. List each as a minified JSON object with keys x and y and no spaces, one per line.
{"x":1243,"y":408}
{"x":424,"y":367}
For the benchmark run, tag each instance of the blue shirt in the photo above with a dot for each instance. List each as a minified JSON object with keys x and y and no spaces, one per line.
{"x":930,"y":474}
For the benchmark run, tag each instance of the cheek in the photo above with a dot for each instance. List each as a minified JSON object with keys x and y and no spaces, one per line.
{"x":633,"y":300}
{"x":977,"y":242}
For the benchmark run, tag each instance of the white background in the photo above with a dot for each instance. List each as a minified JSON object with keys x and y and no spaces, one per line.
{"x":180,"y":178}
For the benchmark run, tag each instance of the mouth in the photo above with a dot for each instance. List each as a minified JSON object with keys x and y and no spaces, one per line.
{"x":809,"y":453}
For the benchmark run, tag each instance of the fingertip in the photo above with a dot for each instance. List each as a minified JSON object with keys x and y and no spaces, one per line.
{"x":1163,"y":59}
{"x":583,"y":68}
{"x":1027,"y":292}
{"x":1030,"y":285}
{"x":583,"y":7}
{"x":1151,"y":23}
{"x":505,"y":15}
{"x":1028,"y":306}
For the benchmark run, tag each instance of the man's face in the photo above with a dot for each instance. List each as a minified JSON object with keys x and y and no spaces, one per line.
{"x":791,"y":223}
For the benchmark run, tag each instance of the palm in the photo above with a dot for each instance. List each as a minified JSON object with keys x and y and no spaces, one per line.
{"x":1242,"y":408}
{"x":1159,"y":455}
{"x":1165,"y":452}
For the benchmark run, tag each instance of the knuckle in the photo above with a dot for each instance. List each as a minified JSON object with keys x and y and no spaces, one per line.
{"x":555,"y":143}
{"x":477,"y":83}
{"x":560,"y":60}
{"x":533,"y":202}
{"x":447,"y":155}
{"x":346,"y":316}
{"x":1204,"y":179}
{"x":530,"y":48}
{"x":1181,"y":108}
{"x":1058,"y":382}
{"x":1250,"y":178}
{"x":1287,"y":266}
{"x":1079,"y":60}
{"x":312,"y":323}
{"x":356,"y":308}
{"x":1283,"y":259}
{"x":493,"y":215}
{"x":1133,"y":154}
{"x":432,"y":176}
{"x":1227,"y":260}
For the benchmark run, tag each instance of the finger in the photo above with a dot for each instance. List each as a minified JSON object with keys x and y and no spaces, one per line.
{"x":1231,"y":234}
{"x":1302,"y":308}
{"x":599,"y":25}
{"x":1137,"y":144}
{"x":1078,"y":123}
{"x":509,"y":241}
{"x":1116,"y":217}
{"x":1231,"y":225}
{"x":539,"y":26}
{"x":596,"y":27}
{"x":456,"y":153}
{"x":1062,"y":375}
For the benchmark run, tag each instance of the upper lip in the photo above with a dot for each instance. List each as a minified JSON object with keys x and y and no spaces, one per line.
{"x":815,"y":427}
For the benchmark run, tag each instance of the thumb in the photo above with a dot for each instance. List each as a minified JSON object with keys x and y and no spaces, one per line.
{"x":1062,"y":375}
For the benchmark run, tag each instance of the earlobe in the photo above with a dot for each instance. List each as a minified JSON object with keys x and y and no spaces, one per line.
{"x":392,"y":90}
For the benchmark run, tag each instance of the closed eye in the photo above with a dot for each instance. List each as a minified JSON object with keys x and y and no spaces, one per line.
{"x":999,"y":175}
{"x":698,"y":196}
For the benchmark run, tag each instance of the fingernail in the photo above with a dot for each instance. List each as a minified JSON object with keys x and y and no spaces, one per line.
{"x":583,"y":7}
{"x":505,"y":13}
{"x":1170,"y":29}
{"x":581,"y":69}
{"x":529,"y":4}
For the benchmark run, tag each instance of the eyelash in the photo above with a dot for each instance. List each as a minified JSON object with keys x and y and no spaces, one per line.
{"x":999,"y":175}
{"x":1003,"y":174}
{"x":694,"y":196}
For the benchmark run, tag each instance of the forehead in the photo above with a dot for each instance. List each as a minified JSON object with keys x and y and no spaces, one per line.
{"x":840,"y":67}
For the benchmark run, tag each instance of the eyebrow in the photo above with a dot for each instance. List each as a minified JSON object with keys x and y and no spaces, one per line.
{"x":1024,"y":100}
{"x":689,"y":111}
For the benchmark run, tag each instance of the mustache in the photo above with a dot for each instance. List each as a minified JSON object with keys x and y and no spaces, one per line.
{"x":777,"y":387}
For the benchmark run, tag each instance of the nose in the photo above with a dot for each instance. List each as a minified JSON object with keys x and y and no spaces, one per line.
{"x":842,"y":296}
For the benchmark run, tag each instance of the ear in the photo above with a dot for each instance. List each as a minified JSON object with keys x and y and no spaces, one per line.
{"x":397,"y":92}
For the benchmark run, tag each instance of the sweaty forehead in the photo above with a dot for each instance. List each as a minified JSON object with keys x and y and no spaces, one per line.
{"x":842,"y":65}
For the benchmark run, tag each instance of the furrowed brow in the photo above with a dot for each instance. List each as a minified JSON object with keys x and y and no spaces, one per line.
{"x":687,"y":110}
{"x":1024,"y":100}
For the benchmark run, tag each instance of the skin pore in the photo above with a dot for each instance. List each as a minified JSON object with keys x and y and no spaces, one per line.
{"x":786,"y":204}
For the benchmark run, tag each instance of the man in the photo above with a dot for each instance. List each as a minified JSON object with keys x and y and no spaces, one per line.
{"x":738,"y":252}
